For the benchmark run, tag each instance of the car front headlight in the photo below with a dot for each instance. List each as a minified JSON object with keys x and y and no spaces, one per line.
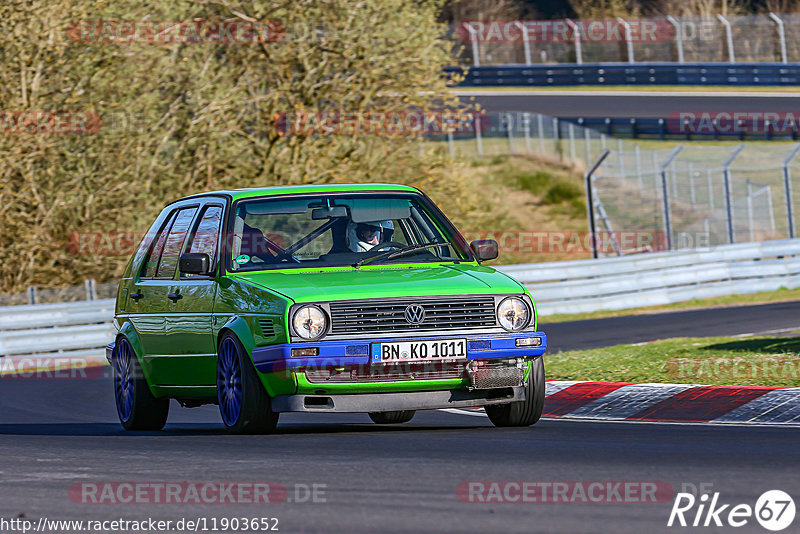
{"x":513,"y":314}
{"x":309,"y":322}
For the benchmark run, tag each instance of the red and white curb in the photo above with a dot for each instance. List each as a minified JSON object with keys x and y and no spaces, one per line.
{"x":684,"y":403}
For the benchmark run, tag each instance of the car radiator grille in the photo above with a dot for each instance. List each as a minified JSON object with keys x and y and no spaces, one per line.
{"x":386,"y":316}
{"x":386,"y":373}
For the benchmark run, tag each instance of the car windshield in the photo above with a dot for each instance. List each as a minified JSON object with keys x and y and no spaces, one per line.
{"x":337,"y":230}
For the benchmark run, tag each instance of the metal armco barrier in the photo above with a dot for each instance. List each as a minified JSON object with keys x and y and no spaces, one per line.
{"x":82,"y":329}
{"x":631,"y":74}
{"x":660,"y":278}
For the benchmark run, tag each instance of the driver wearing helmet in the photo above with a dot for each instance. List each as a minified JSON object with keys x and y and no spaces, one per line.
{"x":366,"y":235}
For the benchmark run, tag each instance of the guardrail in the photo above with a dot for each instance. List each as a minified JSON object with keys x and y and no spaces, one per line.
{"x":660,"y":278}
{"x":82,"y":329}
{"x":662,"y":128}
{"x":631,"y":74}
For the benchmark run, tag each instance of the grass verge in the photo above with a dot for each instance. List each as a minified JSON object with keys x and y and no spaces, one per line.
{"x":756,"y":361}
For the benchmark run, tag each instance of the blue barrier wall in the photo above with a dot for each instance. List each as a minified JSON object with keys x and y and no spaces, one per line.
{"x":632,"y":74}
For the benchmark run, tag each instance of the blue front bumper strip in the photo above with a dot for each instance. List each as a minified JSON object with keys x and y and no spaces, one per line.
{"x":340,"y":352}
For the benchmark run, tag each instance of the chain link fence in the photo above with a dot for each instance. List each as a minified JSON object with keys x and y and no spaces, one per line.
{"x":733,"y":38}
{"x":687,"y":196}
{"x":699,"y":196}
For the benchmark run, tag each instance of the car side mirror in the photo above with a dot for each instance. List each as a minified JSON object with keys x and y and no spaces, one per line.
{"x":484,"y":249}
{"x":195,"y":263}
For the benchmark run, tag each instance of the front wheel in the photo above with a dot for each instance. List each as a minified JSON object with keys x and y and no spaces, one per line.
{"x":244,"y":405}
{"x":527,"y":412}
{"x":137,"y":408}
{"x":392,"y":418}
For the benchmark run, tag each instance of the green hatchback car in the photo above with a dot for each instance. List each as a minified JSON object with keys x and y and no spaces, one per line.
{"x":331,"y":298}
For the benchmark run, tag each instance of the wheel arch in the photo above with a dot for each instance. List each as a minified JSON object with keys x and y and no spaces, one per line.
{"x":129,"y":333}
{"x":241,"y":329}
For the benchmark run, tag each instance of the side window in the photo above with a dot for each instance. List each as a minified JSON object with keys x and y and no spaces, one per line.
{"x":174,"y":243}
{"x":206,"y":235}
{"x":150,"y":264}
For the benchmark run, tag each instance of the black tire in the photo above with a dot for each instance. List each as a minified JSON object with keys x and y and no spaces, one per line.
{"x":254,"y":414}
{"x":392,"y":418}
{"x":523,"y":413}
{"x":137,"y":408}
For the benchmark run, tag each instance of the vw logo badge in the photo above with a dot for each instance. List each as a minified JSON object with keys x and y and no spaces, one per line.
{"x":415,"y":314}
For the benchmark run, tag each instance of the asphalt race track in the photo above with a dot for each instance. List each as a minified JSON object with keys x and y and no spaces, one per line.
{"x":56,"y":433}
{"x":638,"y":104}
{"x":776,"y":318}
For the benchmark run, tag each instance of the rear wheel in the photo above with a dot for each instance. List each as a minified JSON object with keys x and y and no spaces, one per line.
{"x":243,"y":404}
{"x":527,"y":412}
{"x":137,"y":408}
{"x":392,"y":418}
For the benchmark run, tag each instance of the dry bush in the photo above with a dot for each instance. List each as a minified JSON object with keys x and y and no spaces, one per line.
{"x":185,"y":118}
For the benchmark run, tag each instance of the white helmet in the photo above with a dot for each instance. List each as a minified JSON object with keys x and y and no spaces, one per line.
{"x":356,"y":234}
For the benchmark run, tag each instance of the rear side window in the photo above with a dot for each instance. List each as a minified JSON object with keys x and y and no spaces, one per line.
{"x":174,"y":243}
{"x":150,"y":265}
{"x":206,"y":235}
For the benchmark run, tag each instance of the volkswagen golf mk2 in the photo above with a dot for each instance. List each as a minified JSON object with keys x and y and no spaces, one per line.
{"x":335,"y":298}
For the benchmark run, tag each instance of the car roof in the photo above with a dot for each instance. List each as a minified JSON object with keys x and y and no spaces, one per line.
{"x":236,"y":194}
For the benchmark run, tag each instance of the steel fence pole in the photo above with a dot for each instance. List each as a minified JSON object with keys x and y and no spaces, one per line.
{"x":590,"y":200}
{"x":573,"y":156}
{"x":526,"y":121}
{"x":726,"y":182}
{"x":473,"y":37}
{"x":540,"y":126}
{"x":665,"y":207}
{"x":710,"y":188}
{"x":638,"y":155}
{"x":678,"y":36}
{"x":787,"y":188}
{"x":781,"y":35}
{"x":509,"y":127}
{"x":478,"y":135}
{"x":525,"y":42}
{"x":587,"y":135}
{"x":728,"y":37}
{"x":750,"y":221}
{"x":576,"y":38}
{"x":628,"y":38}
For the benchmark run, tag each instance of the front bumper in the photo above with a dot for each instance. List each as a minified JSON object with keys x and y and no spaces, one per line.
{"x":341,"y":352}
{"x":386,"y":402}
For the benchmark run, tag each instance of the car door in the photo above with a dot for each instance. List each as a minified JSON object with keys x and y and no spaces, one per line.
{"x":189,"y":323}
{"x":156,"y":291}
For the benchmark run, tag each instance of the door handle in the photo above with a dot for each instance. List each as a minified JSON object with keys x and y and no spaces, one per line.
{"x":136,"y":296}
{"x":174,"y":297}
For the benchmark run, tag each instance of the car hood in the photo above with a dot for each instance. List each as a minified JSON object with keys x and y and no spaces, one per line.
{"x":384,"y":281}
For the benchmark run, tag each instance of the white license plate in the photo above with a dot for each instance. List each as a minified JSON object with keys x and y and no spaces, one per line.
{"x":419,"y":351}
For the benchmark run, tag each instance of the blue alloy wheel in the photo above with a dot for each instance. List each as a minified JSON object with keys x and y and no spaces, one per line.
{"x":124,"y":375}
{"x":229,"y":382}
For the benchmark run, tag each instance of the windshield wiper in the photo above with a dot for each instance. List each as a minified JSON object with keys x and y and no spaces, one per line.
{"x":391,"y":254}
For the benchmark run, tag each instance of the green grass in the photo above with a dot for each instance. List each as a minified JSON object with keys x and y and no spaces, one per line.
{"x":761,"y":361}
